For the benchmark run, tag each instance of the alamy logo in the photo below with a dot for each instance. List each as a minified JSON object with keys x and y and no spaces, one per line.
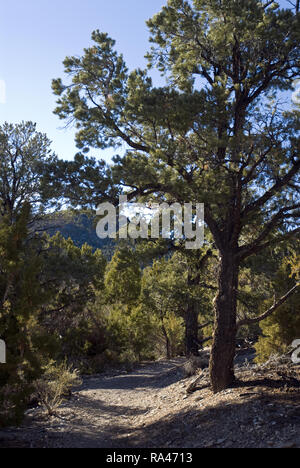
{"x":2,"y":352}
{"x":136,"y":220}
{"x":296,"y":351}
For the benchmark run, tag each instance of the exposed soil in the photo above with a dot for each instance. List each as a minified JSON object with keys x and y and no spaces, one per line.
{"x":151,"y":408}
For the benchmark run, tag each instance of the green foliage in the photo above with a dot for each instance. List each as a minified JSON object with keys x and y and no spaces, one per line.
{"x":123,"y":277}
{"x":173,"y":325}
{"x":130,"y":332}
{"x":47,"y":284}
{"x":73,"y":286}
{"x":20,"y":299}
{"x":281,"y":328}
{"x":86,"y":181}
{"x":80,"y":226}
{"x":46,"y":287}
{"x":163,"y":295}
{"x":25,"y":156}
{"x":128,"y":327}
{"x":14,"y":398}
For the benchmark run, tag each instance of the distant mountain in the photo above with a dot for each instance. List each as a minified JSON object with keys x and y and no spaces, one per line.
{"x":81,"y":228}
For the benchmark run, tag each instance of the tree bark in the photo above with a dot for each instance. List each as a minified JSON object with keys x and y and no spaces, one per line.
{"x":224,"y":342}
{"x":191,"y":328}
{"x":167,"y":342}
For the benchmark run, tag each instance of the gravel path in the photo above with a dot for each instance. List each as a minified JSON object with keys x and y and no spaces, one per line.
{"x":108,"y":410}
{"x":150,"y":407}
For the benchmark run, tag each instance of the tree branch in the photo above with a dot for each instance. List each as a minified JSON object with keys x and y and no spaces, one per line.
{"x":251,"y":249}
{"x":276,"y":187}
{"x":277,"y":218}
{"x":200,"y":327}
{"x":250,"y":321}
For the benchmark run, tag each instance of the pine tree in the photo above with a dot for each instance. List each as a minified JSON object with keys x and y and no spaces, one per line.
{"x":25,"y":155}
{"x":214,"y":134}
{"x":123,"y":277}
{"x":20,"y":299}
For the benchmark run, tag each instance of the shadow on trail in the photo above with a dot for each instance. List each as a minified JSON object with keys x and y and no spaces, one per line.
{"x":156,"y":376}
{"x":111,"y":410}
{"x":230,"y":426}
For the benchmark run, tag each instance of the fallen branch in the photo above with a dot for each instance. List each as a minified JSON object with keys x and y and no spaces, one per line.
{"x":193,"y":387}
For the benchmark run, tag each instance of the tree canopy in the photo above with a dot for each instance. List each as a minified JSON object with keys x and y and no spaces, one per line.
{"x":25,"y":155}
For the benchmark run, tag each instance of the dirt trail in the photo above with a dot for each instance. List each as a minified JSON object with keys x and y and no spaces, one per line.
{"x":105,"y":411}
{"x":108,"y":410}
{"x":149,"y":407}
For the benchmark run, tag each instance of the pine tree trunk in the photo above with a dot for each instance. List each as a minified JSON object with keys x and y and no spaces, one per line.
{"x":224,"y":342}
{"x":191,"y":329}
{"x":167,"y":342}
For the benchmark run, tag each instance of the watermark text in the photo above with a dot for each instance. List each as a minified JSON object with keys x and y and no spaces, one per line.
{"x":135,"y":221}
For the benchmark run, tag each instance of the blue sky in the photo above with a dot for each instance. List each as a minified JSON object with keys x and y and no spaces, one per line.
{"x":36,"y":36}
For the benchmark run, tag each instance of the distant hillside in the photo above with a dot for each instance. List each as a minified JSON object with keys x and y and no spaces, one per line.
{"x":81,"y":229}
